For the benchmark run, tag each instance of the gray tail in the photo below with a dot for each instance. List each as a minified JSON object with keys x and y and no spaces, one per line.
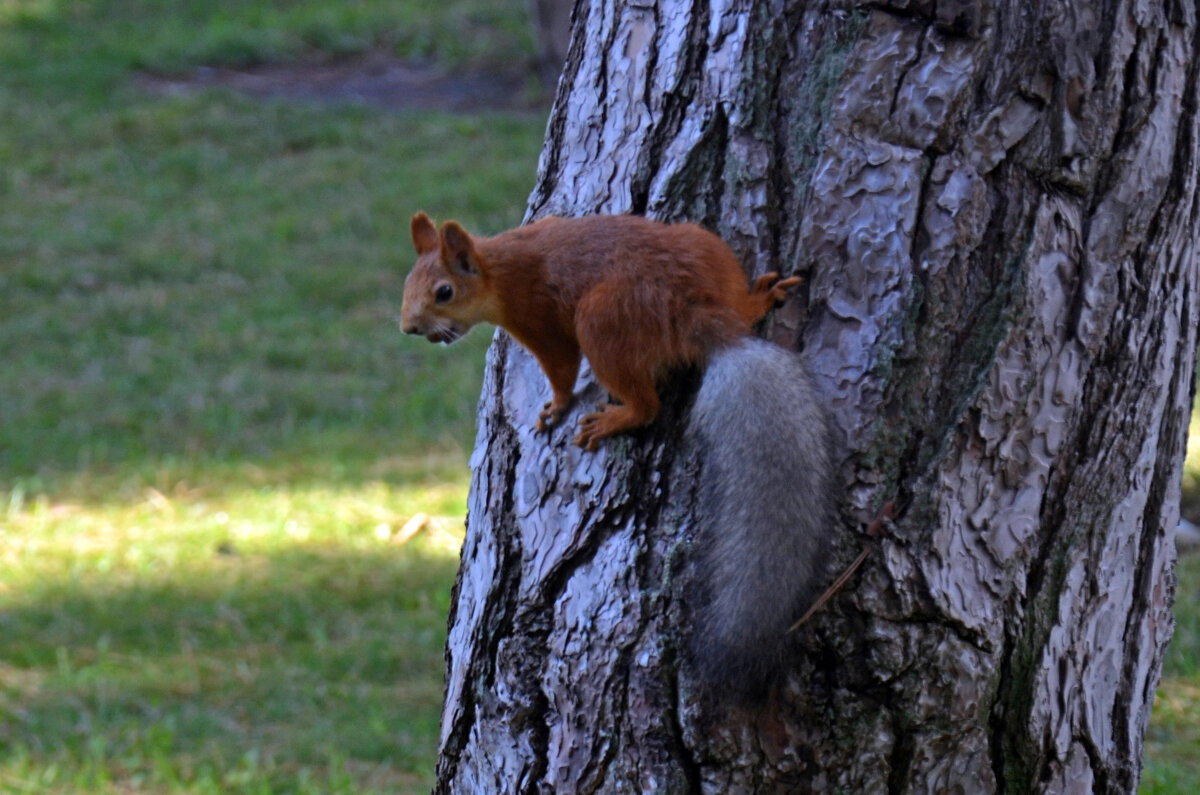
{"x":767,"y":511}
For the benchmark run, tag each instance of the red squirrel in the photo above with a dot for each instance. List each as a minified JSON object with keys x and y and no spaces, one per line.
{"x":636,"y":297}
{"x":639,"y":298}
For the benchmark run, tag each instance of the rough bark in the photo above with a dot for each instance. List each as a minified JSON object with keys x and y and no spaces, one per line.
{"x":994,"y":205}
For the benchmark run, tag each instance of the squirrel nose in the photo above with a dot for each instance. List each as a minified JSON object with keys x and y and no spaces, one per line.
{"x":409,"y":327}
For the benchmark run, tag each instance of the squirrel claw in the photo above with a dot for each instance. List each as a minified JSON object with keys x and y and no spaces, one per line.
{"x":547,"y":417}
{"x":586,"y":441}
{"x":587,"y":438}
{"x":550,"y":414}
{"x":598,"y":425}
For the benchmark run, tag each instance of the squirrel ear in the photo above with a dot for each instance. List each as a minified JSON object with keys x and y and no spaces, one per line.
{"x":424,"y":234}
{"x":457,"y":248}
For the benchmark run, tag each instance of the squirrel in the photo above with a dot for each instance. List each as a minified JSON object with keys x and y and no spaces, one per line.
{"x":640,"y":298}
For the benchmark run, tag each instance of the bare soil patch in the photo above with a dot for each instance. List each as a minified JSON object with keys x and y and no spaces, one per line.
{"x":376,"y":79}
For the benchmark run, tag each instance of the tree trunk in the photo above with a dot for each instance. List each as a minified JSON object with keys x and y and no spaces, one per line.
{"x":994,"y":206}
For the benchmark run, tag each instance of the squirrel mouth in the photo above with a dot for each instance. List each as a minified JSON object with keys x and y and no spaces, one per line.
{"x":444,"y":336}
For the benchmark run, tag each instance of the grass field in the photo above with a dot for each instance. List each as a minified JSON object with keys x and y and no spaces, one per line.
{"x":211,"y":428}
{"x":211,"y":425}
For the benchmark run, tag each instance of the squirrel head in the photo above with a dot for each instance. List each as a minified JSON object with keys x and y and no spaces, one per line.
{"x":448,"y":291}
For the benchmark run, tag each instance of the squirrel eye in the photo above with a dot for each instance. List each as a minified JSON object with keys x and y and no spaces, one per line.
{"x":443,"y":293}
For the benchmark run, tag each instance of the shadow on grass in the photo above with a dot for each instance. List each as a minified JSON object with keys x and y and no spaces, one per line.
{"x":269,"y":669}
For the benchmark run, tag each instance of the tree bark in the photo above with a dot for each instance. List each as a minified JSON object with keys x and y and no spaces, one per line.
{"x":994,"y":206}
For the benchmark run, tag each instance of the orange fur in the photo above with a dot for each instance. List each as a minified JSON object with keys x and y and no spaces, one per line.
{"x":635,"y":296}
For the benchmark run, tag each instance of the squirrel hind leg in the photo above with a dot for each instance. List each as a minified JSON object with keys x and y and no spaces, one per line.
{"x":625,"y":341}
{"x":767,"y":291}
{"x":612,"y":419}
{"x":633,"y":387}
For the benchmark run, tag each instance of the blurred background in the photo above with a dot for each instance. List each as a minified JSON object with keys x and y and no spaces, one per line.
{"x":231,"y":493}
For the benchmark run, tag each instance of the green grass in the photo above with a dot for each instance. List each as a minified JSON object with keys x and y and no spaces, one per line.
{"x":211,"y":275}
{"x":105,"y":38}
{"x":216,"y":276}
{"x":210,"y":426}
{"x":1173,"y":737}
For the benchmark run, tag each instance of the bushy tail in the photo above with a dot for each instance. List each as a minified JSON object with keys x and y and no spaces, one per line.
{"x":767,"y":507}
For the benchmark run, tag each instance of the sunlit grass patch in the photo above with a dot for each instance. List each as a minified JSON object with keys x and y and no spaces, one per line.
{"x":1191,"y":470}
{"x":262,"y":638}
